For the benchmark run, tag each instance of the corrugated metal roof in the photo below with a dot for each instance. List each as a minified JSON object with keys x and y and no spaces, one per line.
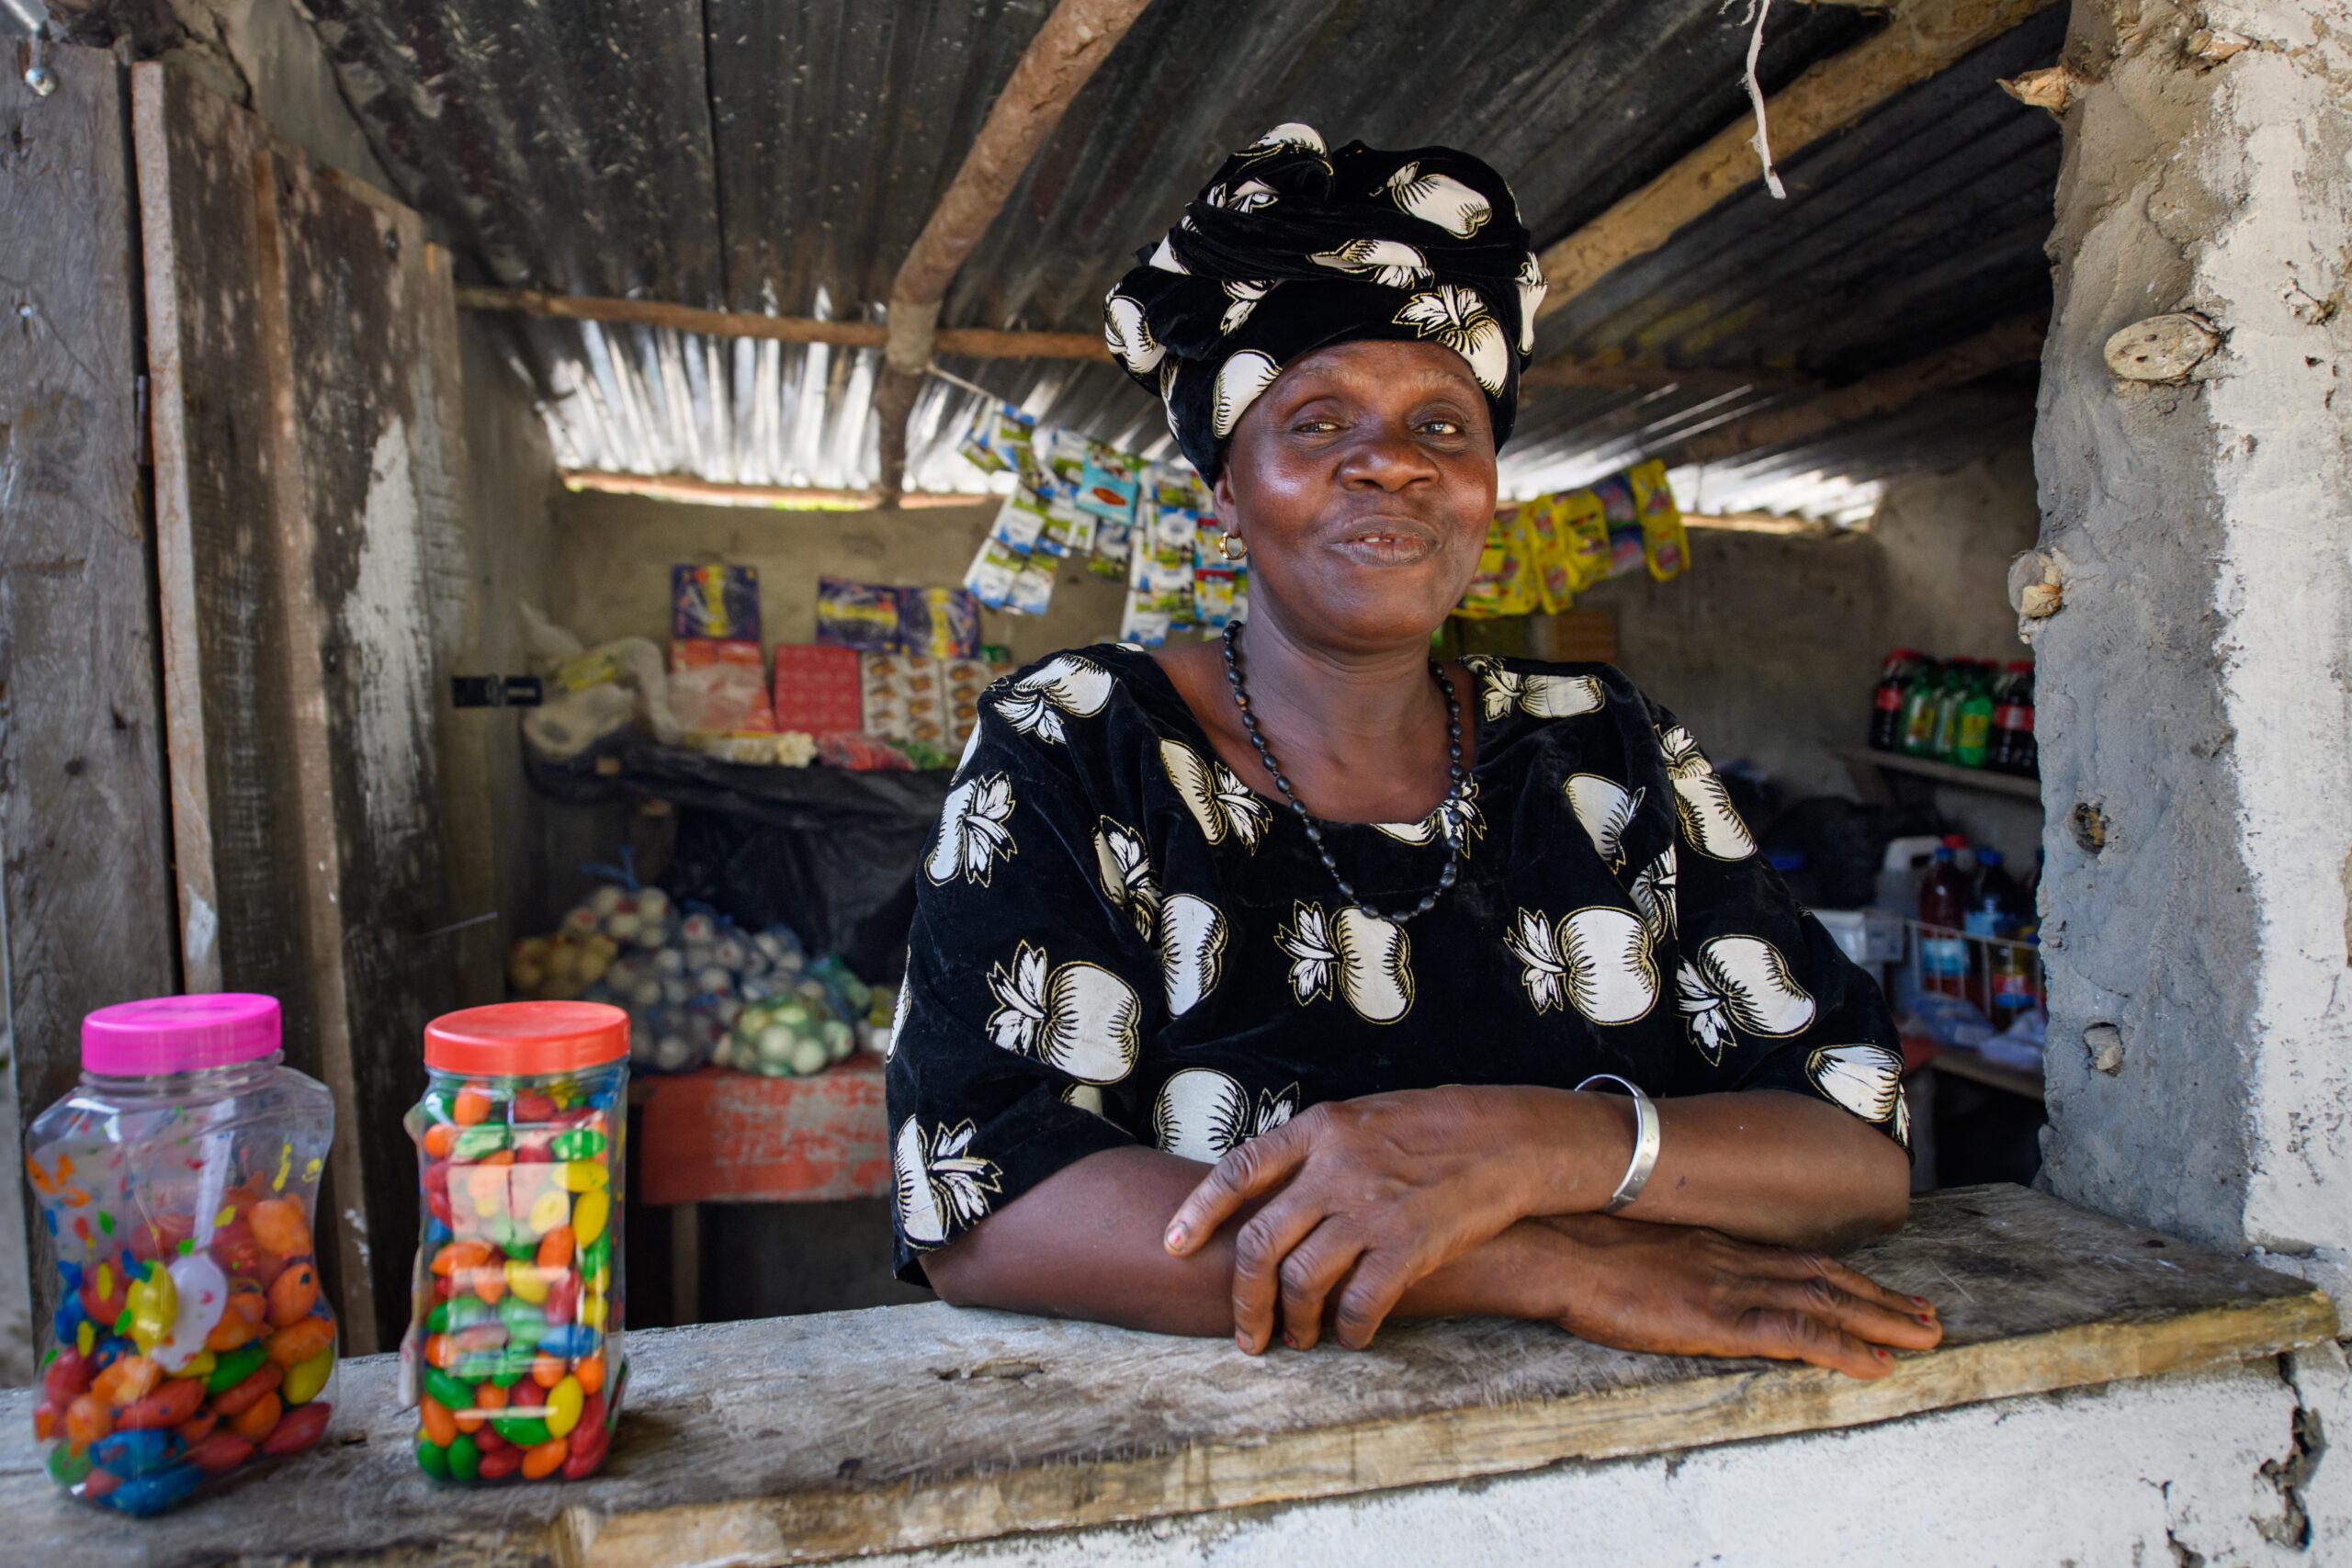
{"x":782,"y":154}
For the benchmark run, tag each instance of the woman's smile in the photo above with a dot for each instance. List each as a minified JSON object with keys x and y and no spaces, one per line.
{"x":1387,"y":542}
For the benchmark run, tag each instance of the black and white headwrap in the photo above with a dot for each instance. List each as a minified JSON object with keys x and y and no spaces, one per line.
{"x":1292,"y":247}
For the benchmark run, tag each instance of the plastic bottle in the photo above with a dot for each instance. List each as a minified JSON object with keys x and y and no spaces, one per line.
{"x":1975,"y":716}
{"x":2022,"y":758}
{"x":2012,"y":982}
{"x":1943,"y":905}
{"x":1918,"y":728}
{"x":2002,"y":744}
{"x":1945,"y":739}
{"x":1998,"y":889}
{"x":1886,"y":699}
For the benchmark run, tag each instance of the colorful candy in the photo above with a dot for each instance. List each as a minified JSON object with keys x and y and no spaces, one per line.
{"x":519,"y":1164}
{"x":191,"y":1339}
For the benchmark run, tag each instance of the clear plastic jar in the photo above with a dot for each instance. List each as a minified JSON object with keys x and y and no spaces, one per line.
{"x":191,"y":1341}
{"x":515,"y":1339}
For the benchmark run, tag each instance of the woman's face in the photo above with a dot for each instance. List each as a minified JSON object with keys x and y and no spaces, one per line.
{"x":1362,"y":481}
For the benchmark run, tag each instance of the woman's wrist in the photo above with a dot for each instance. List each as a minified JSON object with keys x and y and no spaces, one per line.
{"x":1577,"y":1147}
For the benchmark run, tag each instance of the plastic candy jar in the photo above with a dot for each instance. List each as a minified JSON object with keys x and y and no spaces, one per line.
{"x":191,"y":1341}
{"x":514,"y":1341}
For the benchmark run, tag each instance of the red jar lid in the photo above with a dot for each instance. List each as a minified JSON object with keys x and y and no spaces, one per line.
{"x":509,"y":1038}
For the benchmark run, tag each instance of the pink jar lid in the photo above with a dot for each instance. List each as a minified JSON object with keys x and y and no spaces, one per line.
{"x":179,"y":1034}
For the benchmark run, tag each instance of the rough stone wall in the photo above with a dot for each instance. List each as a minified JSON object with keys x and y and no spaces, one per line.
{"x":2193,"y":714}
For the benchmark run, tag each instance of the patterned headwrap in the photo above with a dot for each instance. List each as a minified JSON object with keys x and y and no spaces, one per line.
{"x":1292,"y":248}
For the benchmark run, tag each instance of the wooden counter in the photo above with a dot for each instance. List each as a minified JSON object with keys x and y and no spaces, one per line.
{"x":813,"y":1438}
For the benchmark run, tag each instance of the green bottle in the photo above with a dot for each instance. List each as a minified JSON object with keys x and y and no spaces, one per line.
{"x":1975,"y":720}
{"x":1918,"y":730}
{"x":1945,"y":736}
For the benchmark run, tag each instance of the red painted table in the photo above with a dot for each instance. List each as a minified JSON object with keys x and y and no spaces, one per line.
{"x":721,"y":1136}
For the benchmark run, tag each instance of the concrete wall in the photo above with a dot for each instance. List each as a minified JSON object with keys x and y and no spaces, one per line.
{"x":2197,"y":1468}
{"x":1768,"y":646}
{"x":2196,"y":724}
{"x":612,"y":556}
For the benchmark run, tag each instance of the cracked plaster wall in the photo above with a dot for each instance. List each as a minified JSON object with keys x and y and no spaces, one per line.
{"x":2192,"y":697}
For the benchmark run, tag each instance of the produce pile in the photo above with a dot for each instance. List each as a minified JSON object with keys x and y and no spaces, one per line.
{"x":697,"y":989}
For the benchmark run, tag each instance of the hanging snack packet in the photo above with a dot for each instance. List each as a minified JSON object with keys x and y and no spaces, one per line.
{"x":1108,"y":484}
{"x":1213,"y":595}
{"x":715,"y":602}
{"x":1583,"y":527}
{"x":1664,"y":542}
{"x":1548,"y":546}
{"x":1505,"y":583}
{"x":1114,"y":542}
{"x":1140,"y":624}
{"x":863,"y":616}
{"x":975,"y":445}
{"x":1019,"y":521}
{"x":1033,"y":589}
{"x":1617,"y":504}
{"x":991,"y":576}
{"x":1067,"y":530}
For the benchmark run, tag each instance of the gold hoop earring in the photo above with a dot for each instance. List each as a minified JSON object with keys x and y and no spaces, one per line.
{"x":1232,"y":546}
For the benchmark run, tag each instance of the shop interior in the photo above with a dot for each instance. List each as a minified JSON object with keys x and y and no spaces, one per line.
{"x":634,"y":309}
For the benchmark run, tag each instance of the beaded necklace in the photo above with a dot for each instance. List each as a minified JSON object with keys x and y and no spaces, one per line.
{"x":1448,"y":811}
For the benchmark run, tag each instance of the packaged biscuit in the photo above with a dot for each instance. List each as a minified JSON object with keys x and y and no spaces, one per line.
{"x":1108,"y":484}
{"x":719,"y":686}
{"x":921,"y":688}
{"x":963,"y":682}
{"x":1068,"y":531}
{"x":1019,"y":521}
{"x":1664,"y":543}
{"x":882,"y":705}
{"x":999,"y":439}
{"x":1505,"y":583}
{"x":1033,"y":587}
{"x":1617,"y":504}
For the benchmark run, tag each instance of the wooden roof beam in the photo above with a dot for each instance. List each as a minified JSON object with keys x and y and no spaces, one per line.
{"x":1922,"y":37}
{"x":2014,"y":342}
{"x":1074,"y":40}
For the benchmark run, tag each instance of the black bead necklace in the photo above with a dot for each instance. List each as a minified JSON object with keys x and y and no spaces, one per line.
{"x":1451,"y":811}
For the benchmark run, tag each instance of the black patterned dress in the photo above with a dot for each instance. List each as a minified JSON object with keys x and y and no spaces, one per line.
{"x":1117,"y":941}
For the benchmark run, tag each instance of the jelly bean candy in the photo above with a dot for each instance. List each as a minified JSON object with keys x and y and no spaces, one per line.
{"x":440,"y":1426}
{"x":525,"y":1327}
{"x":155,"y":1304}
{"x":534,"y":1106}
{"x":474,"y":1142}
{"x":235,"y":1366}
{"x":589,"y":1215}
{"x":167,"y":1406}
{"x":498,"y":1463}
{"x":99,"y":1484}
{"x":305,"y":1378}
{"x":278,"y":1225}
{"x":556,"y":1249}
{"x":523,"y":1431}
{"x":590,"y":1371}
{"x":198,"y":1428}
{"x":465,"y":1459}
{"x":152,"y":1494}
{"x":66,"y":1378}
{"x":87,"y":1419}
{"x":585,"y":1176}
{"x":589,"y":1446}
{"x":198,"y":1365}
{"x":598,"y":1255}
{"x":299,"y":1342}
{"x":126,"y":1381}
{"x":550,"y":1210}
{"x":528,"y":1281}
{"x":433,"y":1458}
{"x":569,"y":1339}
{"x":545,"y":1459}
{"x":446,"y":1389}
{"x":256,"y":1420}
{"x":440,"y":1139}
{"x":136,"y":1453}
{"x":67,"y":1465}
{"x":580,"y":1143}
{"x":471,"y":1108}
{"x":219,"y":1453}
{"x":293,"y":1293}
{"x":260,"y":1385}
{"x":298,"y":1429}
{"x":564,"y":1402}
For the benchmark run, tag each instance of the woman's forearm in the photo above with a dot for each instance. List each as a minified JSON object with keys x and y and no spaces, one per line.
{"x":1763,"y":1166}
{"x":1085,"y":1243}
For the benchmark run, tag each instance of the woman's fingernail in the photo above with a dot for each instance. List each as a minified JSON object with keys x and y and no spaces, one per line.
{"x":1923,"y":1303}
{"x":1880,"y":1354}
{"x":1175,"y":1237}
{"x":1290,"y":1341}
{"x":1926,"y":1319}
{"x":1241,"y":1338}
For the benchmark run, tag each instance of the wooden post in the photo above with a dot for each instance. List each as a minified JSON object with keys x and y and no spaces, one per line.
{"x":85,"y":896}
{"x":309,"y":469}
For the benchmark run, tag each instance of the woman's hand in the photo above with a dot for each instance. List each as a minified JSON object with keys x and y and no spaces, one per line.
{"x":1679,"y":1291}
{"x":1368,"y":1196}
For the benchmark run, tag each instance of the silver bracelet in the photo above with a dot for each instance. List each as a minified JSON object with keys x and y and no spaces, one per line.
{"x":1645,"y":1140}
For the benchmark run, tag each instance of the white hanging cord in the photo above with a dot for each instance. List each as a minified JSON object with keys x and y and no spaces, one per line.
{"x":1757,"y":11}
{"x":955,"y":381}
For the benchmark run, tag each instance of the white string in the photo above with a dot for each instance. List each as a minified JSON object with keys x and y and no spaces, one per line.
{"x":1757,"y":11}
{"x":955,"y":381}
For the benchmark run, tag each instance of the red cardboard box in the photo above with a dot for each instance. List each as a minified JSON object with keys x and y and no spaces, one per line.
{"x":815,"y":688}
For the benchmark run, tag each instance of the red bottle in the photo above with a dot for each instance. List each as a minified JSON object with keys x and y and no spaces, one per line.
{"x":1886,"y":699}
{"x":1943,"y":905}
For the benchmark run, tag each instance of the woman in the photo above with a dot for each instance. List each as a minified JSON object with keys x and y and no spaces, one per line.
{"x":1257,"y":987}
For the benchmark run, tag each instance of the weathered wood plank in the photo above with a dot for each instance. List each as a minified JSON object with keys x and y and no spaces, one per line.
{"x":368,"y":395}
{"x":86,"y":884}
{"x":815,"y":1438}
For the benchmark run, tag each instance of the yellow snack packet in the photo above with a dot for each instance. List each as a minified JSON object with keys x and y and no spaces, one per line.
{"x":1583,"y":526}
{"x":1505,"y":583}
{"x":1555,"y":572}
{"x":1664,"y":543}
